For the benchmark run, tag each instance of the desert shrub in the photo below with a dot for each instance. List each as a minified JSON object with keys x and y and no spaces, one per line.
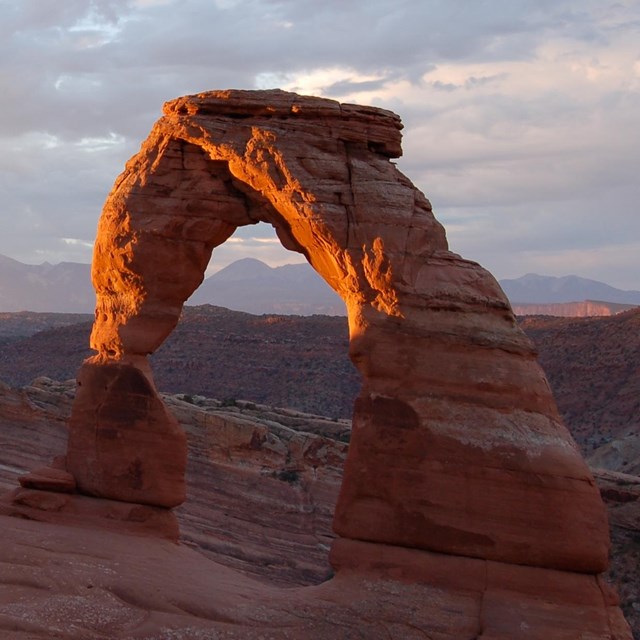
{"x":288,"y":475}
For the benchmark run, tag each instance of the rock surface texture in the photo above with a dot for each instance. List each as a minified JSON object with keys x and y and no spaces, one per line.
{"x":457,"y":451}
{"x":66,"y":583}
{"x":247,"y":510}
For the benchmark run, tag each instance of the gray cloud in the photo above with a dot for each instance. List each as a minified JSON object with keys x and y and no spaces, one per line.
{"x":514,"y":157}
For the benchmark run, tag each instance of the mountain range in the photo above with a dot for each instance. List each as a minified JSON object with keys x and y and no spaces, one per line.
{"x":251,"y":286}
{"x":61,"y":288}
{"x":535,"y":289}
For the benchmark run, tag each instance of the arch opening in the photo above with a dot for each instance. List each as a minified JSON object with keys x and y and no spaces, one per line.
{"x":186,"y":205}
{"x":254,"y":273}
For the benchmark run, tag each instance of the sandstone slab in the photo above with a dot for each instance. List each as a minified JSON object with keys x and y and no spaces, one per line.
{"x":49,"y":479}
{"x":55,"y":507}
{"x":241,"y":514}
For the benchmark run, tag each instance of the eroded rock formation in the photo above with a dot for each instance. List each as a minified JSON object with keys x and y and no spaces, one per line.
{"x":457,"y":446}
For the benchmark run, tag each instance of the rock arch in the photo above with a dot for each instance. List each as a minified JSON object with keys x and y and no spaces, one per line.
{"x":457,"y":444}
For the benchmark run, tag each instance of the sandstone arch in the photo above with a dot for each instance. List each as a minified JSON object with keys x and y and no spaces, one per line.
{"x":457,"y":445}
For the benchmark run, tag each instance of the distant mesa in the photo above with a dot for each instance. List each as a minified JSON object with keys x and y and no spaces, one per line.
{"x":584,"y":309}
{"x":569,"y":296}
{"x":533,"y":288}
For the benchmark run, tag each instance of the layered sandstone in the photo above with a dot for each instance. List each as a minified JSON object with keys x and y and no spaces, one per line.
{"x":262,"y":481}
{"x":123,"y":443}
{"x":77,"y":584}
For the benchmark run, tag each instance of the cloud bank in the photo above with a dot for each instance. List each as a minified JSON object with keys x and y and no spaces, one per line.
{"x":521,"y":116}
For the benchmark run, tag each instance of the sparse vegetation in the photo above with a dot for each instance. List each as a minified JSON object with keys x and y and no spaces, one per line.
{"x":288,"y":475}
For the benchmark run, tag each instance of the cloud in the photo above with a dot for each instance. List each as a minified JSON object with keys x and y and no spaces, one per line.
{"x":521,"y":115}
{"x":353,"y":86}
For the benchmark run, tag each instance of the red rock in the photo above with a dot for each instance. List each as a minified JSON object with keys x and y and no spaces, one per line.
{"x":123,"y":443}
{"x":504,"y":601}
{"x":243,"y":516}
{"x":457,"y":445}
{"x":83,"y":511}
{"x":49,"y":479}
{"x":80,"y":583}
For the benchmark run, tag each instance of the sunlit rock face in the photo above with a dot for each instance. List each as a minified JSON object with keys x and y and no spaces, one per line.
{"x":457,"y":445}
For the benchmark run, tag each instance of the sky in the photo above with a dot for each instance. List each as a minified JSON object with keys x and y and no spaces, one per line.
{"x":522,"y":117}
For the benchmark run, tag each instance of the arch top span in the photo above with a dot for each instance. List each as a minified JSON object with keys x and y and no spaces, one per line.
{"x":318,"y":171}
{"x":377,"y":128}
{"x":457,"y":444}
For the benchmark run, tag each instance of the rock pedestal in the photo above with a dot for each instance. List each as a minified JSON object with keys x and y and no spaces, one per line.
{"x":123,"y":442}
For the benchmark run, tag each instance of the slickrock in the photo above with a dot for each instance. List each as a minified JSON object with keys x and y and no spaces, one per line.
{"x":620,"y":454}
{"x":49,"y":479}
{"x":621,"y":493}
{"x":56,"y":507}
{"x":73,"y":583}
{"x":247,"y":511}
{"x":262,"y":487}
{"x":33,"y":427}
{"x":262,"y":481}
